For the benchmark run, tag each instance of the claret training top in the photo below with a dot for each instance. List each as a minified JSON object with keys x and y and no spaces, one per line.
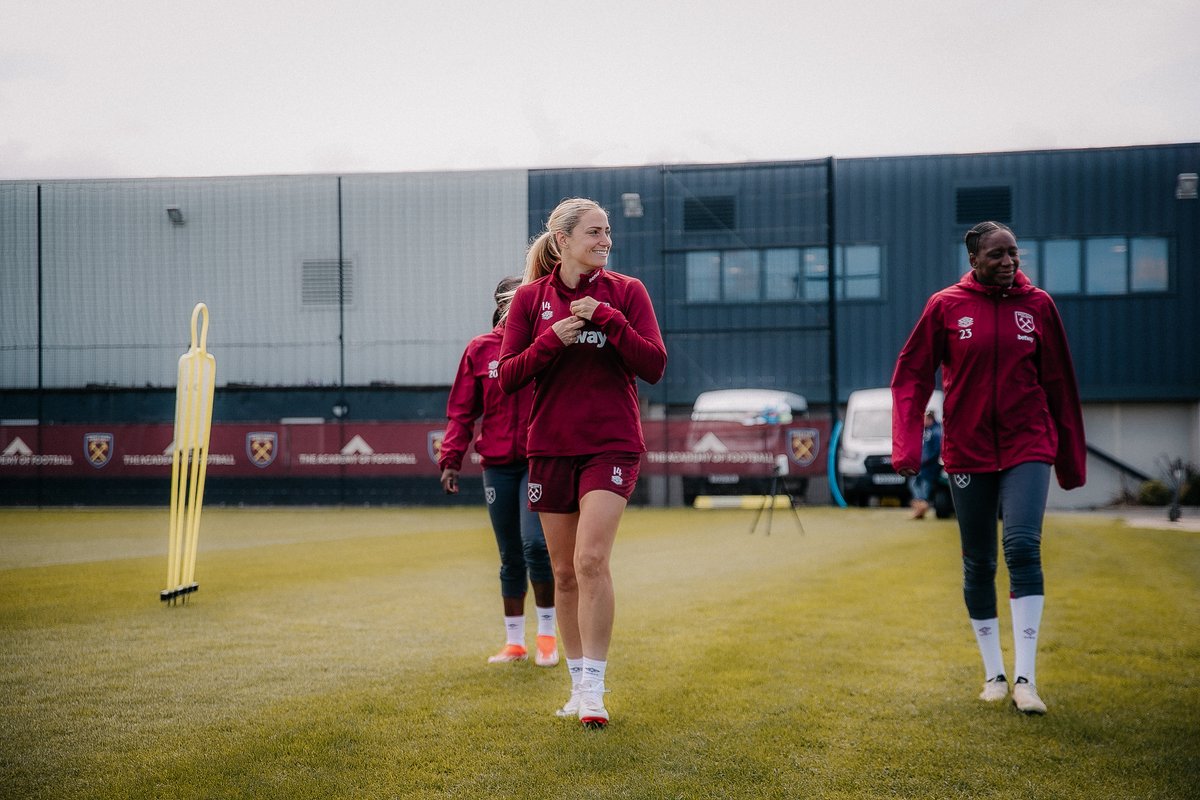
{"x":1011,"y":395}
{"x":476,"y":395}
{"x":585,"y":395}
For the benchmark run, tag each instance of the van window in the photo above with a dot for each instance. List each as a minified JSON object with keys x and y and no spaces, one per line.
{"x":873,"y":423}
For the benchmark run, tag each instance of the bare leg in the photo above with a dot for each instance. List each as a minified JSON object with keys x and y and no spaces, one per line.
{"x":596,"y":530}
{"x":514,"y":606}
{"x":543,"y":593}
{"x":559,"y":530}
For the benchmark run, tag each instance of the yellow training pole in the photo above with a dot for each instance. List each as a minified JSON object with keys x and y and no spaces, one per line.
{"x":189,"y":458}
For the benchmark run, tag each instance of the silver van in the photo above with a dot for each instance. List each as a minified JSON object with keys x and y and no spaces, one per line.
{"x":750,"y":409}
{"x":864,"y":459}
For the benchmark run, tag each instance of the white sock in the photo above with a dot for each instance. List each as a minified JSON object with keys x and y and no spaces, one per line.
{"x":514,"y":630}
{"x":1027,"y":620}
{"x":987,"y":634}
{"x":546,"y":620}
{"x":593,"y":671}
{"x":575,"y":670}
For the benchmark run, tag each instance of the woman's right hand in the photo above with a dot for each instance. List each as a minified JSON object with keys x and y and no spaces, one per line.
{"x":907,"y":473}
{"x":450,"y":481}
{"x":568,"y":329}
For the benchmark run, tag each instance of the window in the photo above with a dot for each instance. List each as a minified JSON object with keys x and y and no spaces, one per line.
{"x":783,"y":273}
{"x":739,"y":276}
{"x":1029,"y":262}
{"x":1098,"y":265}
{"x":1105,"y":272}
{"x":1061,"y":266}
{"x":860,"y":273}
{"x":704,"y":277}
{"x":1148,"y":264}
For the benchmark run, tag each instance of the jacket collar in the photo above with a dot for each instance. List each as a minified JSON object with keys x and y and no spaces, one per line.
{"x":585,"y":280}
{"x":1021,"y":284}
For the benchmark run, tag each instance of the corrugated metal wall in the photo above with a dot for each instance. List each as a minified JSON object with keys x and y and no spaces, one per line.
{"x":18,"y":285}
{"x":119,"y":280}
{"x":780,"y":345}
{"x":1126,"y":347}
{"x":424,"y":251}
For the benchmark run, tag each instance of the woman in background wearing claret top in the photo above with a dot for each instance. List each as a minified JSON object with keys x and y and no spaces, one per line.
{"x":504,"y":419}
{"x":583,"y":335}
{"x":1011,"y":411}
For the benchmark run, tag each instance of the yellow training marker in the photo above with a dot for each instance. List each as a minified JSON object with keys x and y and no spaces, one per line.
{"x":189,"y":459}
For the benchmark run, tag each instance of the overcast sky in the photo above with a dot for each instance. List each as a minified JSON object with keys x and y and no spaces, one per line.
{"x":145,"y":88}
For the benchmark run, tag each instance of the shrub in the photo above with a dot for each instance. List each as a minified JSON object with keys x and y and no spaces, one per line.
{"x":1154,"y":493}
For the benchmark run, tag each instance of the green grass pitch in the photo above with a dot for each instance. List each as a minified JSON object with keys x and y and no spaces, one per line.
{"x":340,"y":653}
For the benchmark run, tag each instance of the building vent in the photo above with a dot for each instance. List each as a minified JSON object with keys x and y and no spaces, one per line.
{"x":710,"y":213}
{"x":981,"y":203}
{"x":319,"y":282}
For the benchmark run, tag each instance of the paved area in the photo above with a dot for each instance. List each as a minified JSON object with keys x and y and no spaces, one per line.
{"x":1148,"y":517}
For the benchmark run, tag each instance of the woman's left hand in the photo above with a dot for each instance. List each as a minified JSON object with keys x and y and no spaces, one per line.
{"x":584,"y":306}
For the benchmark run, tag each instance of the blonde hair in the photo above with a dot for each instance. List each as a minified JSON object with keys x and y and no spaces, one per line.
{"x":543,"y":251}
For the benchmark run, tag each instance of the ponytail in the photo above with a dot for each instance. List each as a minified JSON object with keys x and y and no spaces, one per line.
{"x":541,"y":258}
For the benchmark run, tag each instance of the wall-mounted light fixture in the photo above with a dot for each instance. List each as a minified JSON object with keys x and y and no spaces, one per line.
{"x":1186,"y":184}
{"x":631,"y":202}
{"x":175,"y":215}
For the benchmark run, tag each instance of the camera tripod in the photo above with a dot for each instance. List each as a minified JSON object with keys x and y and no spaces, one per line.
{"x":769,"y":501}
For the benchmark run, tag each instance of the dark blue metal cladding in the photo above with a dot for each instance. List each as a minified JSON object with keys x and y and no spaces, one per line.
{"x":1126,"y":347}
{"x":637,"y":241}
{"x":778,"y":344}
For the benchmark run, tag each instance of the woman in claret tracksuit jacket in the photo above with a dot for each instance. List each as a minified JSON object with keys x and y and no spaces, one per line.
{"x":582,"y":335}
{"x":504,"y":420}
{"x":1011,"y":411}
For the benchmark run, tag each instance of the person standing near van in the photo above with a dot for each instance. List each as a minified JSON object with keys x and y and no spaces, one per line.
{"x":1011,"y":411}
{"x":583,"y":335}
{"x":921,"y":485}
{"x":504,"y":419}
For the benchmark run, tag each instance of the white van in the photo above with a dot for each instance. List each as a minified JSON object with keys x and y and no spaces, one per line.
{"x":865,"y":452}
{"x":751,"y":409}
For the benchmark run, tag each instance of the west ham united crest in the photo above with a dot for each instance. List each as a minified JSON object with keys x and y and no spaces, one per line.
{"x":261,"y":447}
{"x":1024,"y":321}
{"x":98,"y":448}
{"x":435,"y":445}
{"x":804,"y":444}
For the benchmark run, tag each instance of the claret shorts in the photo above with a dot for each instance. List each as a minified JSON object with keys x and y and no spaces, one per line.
{"x":557,"y":482}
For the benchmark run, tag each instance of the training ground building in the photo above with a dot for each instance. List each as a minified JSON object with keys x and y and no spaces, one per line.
{"x":340,"y":305}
